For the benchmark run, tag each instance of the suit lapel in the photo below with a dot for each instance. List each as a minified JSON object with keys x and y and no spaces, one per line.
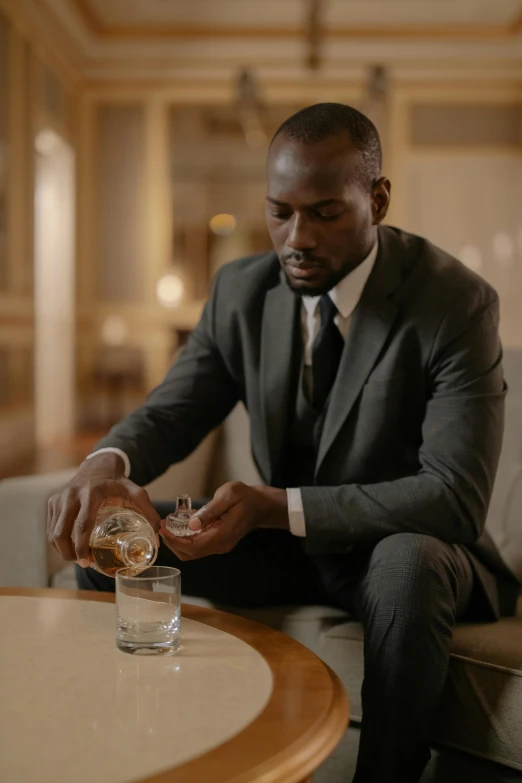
{"x":371,"y":323}
{"x":281,"y":349}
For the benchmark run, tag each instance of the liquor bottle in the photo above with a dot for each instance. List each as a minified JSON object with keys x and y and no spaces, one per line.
{"x":177,"y":523}
{"x":122,"y":538}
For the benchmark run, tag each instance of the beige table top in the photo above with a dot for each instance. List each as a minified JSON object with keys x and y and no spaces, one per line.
{"x":239,"y":702}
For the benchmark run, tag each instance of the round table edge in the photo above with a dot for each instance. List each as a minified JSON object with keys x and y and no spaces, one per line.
{"x":289,"y":756}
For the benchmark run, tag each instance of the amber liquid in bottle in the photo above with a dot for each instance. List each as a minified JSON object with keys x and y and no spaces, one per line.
{"x":107,"y":555}
{"x":122,"y":539}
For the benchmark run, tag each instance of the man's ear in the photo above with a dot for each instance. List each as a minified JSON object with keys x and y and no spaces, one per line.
{"x":381,"y":194}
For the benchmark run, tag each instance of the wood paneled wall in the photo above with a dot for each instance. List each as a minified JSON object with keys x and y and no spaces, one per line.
{"x":34,"y":94}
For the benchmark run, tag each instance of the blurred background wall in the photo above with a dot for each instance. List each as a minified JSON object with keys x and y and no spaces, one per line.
{"x":132,"y":142}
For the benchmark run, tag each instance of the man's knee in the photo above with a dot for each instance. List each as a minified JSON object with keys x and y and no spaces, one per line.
{"x":411,"y":553}
{"x":412,"y":572}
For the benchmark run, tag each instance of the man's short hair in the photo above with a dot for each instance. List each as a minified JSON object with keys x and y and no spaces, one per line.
{"x":318,"y":122}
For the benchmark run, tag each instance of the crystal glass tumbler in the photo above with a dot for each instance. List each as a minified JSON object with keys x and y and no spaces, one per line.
{"x":148,"y":610}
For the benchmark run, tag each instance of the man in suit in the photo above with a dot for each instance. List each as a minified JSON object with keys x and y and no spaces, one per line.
{"x":370,"y":364}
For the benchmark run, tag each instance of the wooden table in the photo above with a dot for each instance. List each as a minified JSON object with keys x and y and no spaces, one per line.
{"x":239,"y":703}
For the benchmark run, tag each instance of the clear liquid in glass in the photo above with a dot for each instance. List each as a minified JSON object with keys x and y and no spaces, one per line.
{"x":148,"y":611}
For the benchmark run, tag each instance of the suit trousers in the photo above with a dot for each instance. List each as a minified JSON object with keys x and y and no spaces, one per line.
{"x":408,"y":590}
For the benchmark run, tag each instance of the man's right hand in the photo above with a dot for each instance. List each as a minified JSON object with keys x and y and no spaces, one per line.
{"x":71,"y":513}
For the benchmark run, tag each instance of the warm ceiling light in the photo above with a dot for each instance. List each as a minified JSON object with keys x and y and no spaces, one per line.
{"x":114,"y":331}
{"x":223,"y":224}
{"x":169,"y":290}
{"x":46,"y":142}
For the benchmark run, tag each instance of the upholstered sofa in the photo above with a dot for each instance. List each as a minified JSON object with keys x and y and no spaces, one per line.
{"x":481,"y":713}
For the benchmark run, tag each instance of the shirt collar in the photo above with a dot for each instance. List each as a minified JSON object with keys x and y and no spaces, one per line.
{"x":346,"y":294}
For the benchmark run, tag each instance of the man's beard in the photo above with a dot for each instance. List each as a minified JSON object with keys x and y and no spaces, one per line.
{"x":317,"y":291}
{"x":320,"y":290}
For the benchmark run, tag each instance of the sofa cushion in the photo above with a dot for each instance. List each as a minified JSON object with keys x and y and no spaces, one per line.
{"x":26,"y":558}
{"x":481,"y":711}
{"x":497,"y":644}
{"x":481,"y":708}
{"x":305,"y":624}
{"x":505,"y":511}
{"x":342,"y":650}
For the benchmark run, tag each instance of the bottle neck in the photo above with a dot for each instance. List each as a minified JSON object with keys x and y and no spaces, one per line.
{"x":136,"y":551}
{"x":184,"y":507}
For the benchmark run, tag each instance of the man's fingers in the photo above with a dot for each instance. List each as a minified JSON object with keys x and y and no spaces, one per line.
{"x":207,"y":514}
{"x":135,"y":497}
{"x":214,"y":540}
{"x":52,"y":514}
{"x":196,"y":523}
{"x":170,"y":538}
{"x":71,"y":513}
{"x":62,"y":526}
{"x":84,"y":525}
{"x":181,"y":547}
{"x":224,"y":499}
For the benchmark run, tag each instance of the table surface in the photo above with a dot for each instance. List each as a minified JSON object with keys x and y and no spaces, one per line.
{"x":238,"y":703}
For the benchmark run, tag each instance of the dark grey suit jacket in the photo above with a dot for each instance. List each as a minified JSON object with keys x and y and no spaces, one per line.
{"x":413,"y":430}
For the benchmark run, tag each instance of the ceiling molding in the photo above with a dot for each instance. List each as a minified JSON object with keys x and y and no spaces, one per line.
{"x":434,"y":32}
{"x":47,"y":36}
{"x":480,"y":51}
{"x":477,"y":75}
{"x":445,"y":32}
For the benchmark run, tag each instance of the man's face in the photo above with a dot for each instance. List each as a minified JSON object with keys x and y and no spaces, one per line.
{"x":321,"y":217}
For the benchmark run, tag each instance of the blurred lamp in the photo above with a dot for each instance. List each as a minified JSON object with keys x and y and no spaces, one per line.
{"x":223,"y":224}
{"x":250,"y":110}
{"x":46,"y":142}
{"x":114,"y":331}
{"x":169,"y":290}
{"x":375,"y":103}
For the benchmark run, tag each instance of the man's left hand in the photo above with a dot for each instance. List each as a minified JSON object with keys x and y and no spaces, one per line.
{"x":235,"y":510}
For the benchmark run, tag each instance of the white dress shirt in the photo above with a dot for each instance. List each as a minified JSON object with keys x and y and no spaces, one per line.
{"x":345,"y":296}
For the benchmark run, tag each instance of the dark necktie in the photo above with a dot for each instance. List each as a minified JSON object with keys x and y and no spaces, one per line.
{"x":326,"y":354}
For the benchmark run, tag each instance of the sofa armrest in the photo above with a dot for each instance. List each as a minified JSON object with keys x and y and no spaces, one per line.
{"x":24,"y":555}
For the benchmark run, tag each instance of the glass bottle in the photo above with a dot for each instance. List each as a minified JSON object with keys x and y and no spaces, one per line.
{"x":177,"y":523}
{"x":122,"y":538}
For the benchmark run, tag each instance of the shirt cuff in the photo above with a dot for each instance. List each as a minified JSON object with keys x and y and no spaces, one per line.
{"x":122,"y":454}
{"x":296,"y":518}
